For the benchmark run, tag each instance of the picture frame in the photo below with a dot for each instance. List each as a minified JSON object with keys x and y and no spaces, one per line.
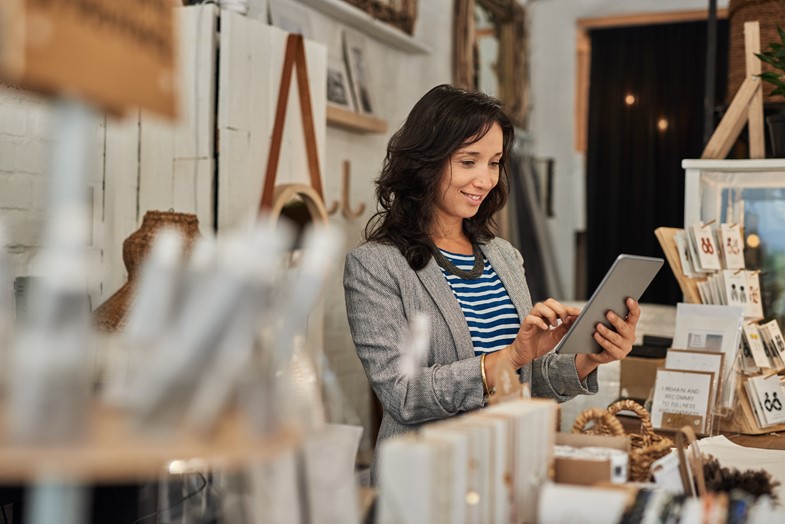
{"x":696,"y":360}
{"x":355,"y":55}
{"x":682,"y":398}
{"x":339,"y":91}
{"x":509,"y":20}
{"x":291,"y":17}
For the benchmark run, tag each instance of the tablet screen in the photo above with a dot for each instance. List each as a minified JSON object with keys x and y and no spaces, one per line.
{"x":629,"y":276}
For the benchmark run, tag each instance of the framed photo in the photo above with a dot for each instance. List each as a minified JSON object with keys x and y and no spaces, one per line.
{"x":682,"y":398}
{"x":694,"y":360}
{"x":339,"y":92}
{"x":290,"y":17}
{"x":355,"y":54}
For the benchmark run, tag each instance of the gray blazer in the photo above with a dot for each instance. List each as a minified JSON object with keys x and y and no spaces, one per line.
{"x":383,"y":292}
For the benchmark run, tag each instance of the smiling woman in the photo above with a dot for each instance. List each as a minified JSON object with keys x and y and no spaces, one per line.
{"x":430,"y":248}
{"x":472,"y":172}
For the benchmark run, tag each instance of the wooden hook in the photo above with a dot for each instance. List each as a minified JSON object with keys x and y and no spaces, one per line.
{"x":344,"y":205}
{"x":707,"y":224}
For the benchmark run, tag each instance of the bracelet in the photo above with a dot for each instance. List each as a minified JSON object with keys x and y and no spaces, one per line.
{"x":488,"y":392}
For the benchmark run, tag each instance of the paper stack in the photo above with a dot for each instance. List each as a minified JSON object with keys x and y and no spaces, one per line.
{"x":483,"y":467}
{"x":712,"y":329}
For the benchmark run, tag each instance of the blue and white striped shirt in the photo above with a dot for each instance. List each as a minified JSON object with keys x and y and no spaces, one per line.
{"x":492,"y":318}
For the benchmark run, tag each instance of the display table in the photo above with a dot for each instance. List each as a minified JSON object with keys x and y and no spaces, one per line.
{"x":742,"y":452}
{"x":767,"y":441}
{"x":112,"y":452}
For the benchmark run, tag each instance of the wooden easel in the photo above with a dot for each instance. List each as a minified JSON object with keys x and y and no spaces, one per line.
{"x":745,"y":108}
{"x":272,"y":195}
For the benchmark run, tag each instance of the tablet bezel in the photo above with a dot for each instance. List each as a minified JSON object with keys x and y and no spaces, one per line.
{"x":629,"y":276}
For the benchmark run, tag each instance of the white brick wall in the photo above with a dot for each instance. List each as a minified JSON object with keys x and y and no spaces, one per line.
{"x":24,"y":157}
{"x":13,"y":120}
{"x":17,"y":191}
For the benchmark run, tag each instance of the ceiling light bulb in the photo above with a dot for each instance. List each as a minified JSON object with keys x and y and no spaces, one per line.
{"x":662,"y":124}
{"x":629,"y":99}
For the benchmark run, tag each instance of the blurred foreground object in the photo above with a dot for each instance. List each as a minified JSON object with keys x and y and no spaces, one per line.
{"x":214,"y":374}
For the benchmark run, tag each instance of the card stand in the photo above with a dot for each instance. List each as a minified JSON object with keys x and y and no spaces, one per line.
{"x":716,"y":414}
{"x":742,"y":418}
{"x":689,"y":286}
{"x":111,"y":451}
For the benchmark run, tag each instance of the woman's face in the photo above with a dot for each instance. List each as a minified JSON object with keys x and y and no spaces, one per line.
{"x":468,"y":176}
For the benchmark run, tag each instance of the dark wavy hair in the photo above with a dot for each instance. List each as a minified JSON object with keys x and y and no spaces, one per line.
{"x":444,"y":120}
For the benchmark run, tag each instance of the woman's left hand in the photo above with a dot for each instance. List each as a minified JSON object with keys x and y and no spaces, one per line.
{"x":616,"y":344}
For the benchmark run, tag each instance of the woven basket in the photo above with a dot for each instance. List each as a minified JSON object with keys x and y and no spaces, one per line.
{"x":110,"y":316}
{"x":402,"y":17}
{"x":769,"y":13}
{"x":645,"y":447}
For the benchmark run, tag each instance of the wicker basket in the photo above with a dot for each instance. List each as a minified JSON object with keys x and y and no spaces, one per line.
{"x":645,"y":447}
{"x":110,"y":316}
{"x":403,"y":17}
{"x":769,"y":13}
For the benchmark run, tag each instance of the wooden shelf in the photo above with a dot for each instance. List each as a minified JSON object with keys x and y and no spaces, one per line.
{"x":362,"y":21}
{"x":111,"y":451}
{"x":351,"y":121}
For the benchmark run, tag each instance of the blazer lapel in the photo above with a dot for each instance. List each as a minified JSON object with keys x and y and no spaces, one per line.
{"x":511,"y":276}
{"x":432,"y":278}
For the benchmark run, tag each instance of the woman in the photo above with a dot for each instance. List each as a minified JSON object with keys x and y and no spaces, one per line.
{"x":430,"y":248}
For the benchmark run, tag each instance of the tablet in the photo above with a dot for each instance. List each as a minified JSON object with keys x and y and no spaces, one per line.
{"x":629,"y":276}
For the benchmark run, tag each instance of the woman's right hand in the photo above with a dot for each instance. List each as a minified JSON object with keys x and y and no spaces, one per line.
{"x":541,"y":331}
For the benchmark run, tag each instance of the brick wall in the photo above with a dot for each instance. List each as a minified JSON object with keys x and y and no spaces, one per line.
{"x":24,"y":153}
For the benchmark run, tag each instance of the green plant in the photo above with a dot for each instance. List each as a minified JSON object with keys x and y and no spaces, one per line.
{"x":774,"y":55}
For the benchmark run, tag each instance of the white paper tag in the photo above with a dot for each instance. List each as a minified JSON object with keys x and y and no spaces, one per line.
{"x":755,"y":343}
{"x":706,"y":248}
{"x":754,"y":307}
{"x":687,"y":265}
{"x":770,"y":396}
{"x":732,"y":246}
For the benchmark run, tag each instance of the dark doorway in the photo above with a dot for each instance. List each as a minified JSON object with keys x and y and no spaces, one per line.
{"x":645,"y":116}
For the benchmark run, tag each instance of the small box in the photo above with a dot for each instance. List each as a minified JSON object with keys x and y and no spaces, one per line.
{"x":574,"y":470}
{"x":638,"y":376}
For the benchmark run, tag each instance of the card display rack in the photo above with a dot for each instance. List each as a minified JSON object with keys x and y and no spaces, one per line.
{"x":689,"y":286}
{"x":742,"y":418}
